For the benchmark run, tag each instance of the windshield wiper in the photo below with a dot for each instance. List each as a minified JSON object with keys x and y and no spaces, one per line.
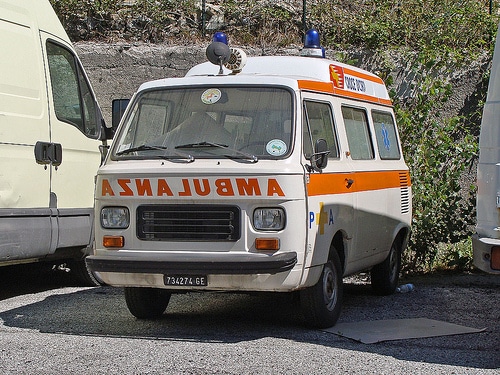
{"x":202,"y":144}
{"x":242,"y":155}
{"x":146,"y":147}
{"x":140,"y":148}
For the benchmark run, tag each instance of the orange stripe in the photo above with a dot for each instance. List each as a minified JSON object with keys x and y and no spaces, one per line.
{"x":337,"y":183}
{"x":327,"y":87}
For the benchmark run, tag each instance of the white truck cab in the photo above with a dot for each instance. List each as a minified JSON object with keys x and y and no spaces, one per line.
{"x":278,"y":173}
{"x":51,"y":129}
{"x":486,"y":240}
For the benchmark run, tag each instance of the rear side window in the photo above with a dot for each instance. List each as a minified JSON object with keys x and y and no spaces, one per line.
{"x":73,"y":100}
{"x":385,"y":133}
{"x":358,"y":133}
{"x":318,"y":122}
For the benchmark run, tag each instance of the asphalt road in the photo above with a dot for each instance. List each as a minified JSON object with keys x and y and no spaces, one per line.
{"x":50,"y":326}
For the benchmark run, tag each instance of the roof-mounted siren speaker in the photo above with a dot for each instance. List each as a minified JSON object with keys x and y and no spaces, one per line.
{"x":218,"y":51}
{"x":237,"y":60}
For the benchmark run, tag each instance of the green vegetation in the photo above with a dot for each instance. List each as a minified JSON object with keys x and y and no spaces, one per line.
{"x":431,"y":26}
{"x":433,"y":38}
{"x":438,"y":152}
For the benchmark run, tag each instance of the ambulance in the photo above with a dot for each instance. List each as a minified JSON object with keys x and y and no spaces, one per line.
{"x":486,"y":240}
{"x":270,"y":173}
{"x":51,"y":131}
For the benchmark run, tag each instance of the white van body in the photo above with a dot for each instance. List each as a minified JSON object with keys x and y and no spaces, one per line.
{"x":486,"y":240}
{"x":242,"y":202}
{"x":50,"y":133}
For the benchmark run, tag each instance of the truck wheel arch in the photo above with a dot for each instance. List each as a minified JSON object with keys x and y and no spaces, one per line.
{"x":338,"y":246}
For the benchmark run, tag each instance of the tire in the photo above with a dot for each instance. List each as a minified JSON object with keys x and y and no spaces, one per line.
{"x":321,"y":303}
{"x":147,"y":303}
{"x":385,"y":275}
{"x":81,"y":274}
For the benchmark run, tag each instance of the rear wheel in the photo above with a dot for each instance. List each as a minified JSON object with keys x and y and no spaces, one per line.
{"x":385,"y":275}
{"x":321,"y":303}
{"x":147,"y":303}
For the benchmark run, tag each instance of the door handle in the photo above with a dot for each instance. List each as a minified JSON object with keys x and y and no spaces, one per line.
{"x":348,"y":182}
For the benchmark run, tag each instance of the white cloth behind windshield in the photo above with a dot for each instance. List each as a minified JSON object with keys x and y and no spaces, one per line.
{"x":199,"y":127}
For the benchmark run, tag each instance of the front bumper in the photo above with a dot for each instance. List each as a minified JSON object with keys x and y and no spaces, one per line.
{"x":486,"y":253}
{"x":181,"y":264}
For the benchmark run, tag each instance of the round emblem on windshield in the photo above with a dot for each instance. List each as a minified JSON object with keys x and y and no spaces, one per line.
{"x":276,"y":147}
{"x":211,"y":96}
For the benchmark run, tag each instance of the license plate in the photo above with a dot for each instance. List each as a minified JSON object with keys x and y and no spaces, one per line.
{"x":185,"y":280}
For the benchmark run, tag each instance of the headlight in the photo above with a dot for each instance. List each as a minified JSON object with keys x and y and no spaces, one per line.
{"x":115,"y":217}
{"x":269,"y":219}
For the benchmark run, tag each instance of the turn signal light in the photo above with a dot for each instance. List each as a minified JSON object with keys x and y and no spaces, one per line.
{"x":495,"y":258}
{"x":113,"y":241}
{"x":267,"y":244}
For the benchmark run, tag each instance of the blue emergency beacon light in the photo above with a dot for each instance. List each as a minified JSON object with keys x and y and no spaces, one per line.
{"x":312,"y":45}
{"x":220,"y":36}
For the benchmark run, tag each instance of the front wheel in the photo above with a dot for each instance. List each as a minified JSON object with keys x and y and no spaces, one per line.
{"x":82,"y":274}
{"x":321,"y":303}
{"x":385,"y":275}
{"x":147,"y":303}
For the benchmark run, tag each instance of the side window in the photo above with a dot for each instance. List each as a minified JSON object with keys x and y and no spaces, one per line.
{"x":73,"y":100}
{"x":318,"y":123}
{"x":358,"y":133}
{"x":385,"y":133}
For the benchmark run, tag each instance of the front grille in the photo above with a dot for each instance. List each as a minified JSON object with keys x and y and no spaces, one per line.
{"x":188,"y":223}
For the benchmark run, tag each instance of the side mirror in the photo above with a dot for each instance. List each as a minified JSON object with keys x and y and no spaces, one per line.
{"x":117,"y":110}
{"x":319,"y":159}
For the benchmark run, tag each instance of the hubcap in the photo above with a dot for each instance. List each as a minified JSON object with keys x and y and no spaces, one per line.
{"x":393,"y":263}
{"x":329,"y":288}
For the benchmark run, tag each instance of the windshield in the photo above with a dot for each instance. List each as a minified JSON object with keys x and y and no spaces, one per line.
{"x":236,"y":122}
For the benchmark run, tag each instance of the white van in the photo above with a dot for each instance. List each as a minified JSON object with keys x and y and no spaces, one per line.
{"x":486,"y":240}
{"x":51,"y":129}
{"x":282,"y":174}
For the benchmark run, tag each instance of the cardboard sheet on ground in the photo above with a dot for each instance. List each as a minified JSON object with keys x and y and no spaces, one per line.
{"x":370,"y":332}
